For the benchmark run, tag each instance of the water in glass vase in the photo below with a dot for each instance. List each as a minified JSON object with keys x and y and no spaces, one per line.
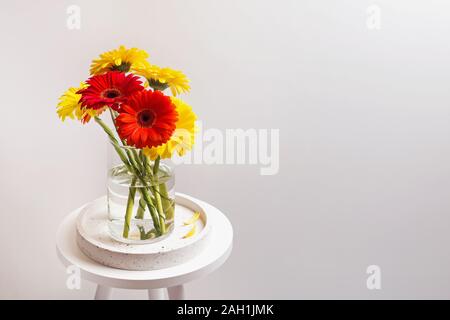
{"x":141,"y":203}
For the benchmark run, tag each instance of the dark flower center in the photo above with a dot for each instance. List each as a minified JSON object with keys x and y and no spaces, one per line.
{"x":124,"y":67}
{"x":156,"y":85}
{"x":111,"y":93}
{"x":146,"y":118}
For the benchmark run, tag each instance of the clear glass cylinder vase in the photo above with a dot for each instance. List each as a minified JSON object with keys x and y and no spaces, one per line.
{"x":141,"y":196}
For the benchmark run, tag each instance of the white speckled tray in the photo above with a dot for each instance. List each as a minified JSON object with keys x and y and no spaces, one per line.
{"x":94,"y":240}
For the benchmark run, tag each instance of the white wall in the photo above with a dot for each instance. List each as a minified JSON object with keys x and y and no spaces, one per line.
{"x":364,"y":139}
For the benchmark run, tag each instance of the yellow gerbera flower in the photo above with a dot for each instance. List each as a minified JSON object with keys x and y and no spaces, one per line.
{"x":69,"y":105}
{"x":121,"y":59}
{"x":183,"y":137}
{"x":163,"y":78}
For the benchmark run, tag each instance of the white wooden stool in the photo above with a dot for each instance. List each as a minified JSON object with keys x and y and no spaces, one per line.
{"x":157,"y":282}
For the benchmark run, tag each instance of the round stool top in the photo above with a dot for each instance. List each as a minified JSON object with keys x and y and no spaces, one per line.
{"x":213,"y":256}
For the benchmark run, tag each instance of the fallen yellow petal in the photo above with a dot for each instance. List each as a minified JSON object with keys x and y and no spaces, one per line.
{"x":192,"y":219}
{"x":190,"y":233}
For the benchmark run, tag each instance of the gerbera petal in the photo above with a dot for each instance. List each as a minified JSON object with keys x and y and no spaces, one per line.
{"x":69,"y":105}
{"x":121,"y":59}
{"x":161,"y":78}
{"x":153,"y":117}
{"x":127,"y":118}
{"x":182,"y":138}
{"x":109,"y":89}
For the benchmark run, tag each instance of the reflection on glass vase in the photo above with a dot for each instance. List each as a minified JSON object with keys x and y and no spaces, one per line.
{"x":141,"y":197}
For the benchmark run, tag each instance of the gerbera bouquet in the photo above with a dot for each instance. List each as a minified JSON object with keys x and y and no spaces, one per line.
{"x":148,"y":126}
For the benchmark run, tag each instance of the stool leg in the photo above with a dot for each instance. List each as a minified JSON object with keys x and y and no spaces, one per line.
{"x":103,"y":293}
{"x":176,"y":292}
{"x":157,"y":294}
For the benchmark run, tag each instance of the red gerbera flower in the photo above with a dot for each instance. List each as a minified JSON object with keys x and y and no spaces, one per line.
{"x":147,"y":119}
{"x":109,"y":89}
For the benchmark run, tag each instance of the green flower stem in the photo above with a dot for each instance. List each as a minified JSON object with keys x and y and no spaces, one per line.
{"x":133,"y":162}
{"x":138,"y":161}
{"x":143,"y":158}
{"x":151,"y":208}
{"x":150,"y":204}
{"x":162,"y":216}
{"x":156,"y":166}
{"x":114,"y":141}
{"x":155,"y":189}
{"x":166,"y":202}
{"x":141,"y":209}
{"x":148,"y":169}
{"x":145,"y":195}
{"x":129,"y":161}
{"x":131,"y":158}
{"x":129,"y":211}
{"x":153,"y":173}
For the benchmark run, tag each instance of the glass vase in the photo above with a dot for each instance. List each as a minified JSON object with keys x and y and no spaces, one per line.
{"x":141,"y":196}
